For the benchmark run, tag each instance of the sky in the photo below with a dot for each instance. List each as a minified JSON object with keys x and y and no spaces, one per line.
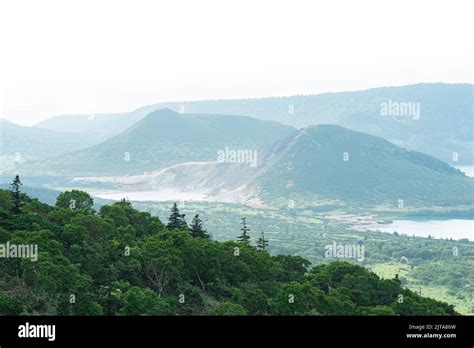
{"x":69,"y":57}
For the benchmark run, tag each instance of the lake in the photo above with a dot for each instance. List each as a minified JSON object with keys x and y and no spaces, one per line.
{"x":163,"y":195}
{"x":453,"y":228}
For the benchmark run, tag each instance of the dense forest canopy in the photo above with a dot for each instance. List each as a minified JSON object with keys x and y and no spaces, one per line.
{"x":120,"y":261}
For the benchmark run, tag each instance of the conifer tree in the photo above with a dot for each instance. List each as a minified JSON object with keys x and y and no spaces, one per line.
{"x":125,"y":201}
{"x":196,"y":229}
{"x":244,"y":237}
{"x":176,"y":220}
{"x":15,"y":189}
{"x":262,"y":243}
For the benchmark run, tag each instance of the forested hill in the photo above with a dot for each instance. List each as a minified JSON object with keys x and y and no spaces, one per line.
{"x":120,"y":261}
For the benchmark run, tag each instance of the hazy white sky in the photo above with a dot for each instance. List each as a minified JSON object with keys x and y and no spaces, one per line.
{"x":109,"y":55}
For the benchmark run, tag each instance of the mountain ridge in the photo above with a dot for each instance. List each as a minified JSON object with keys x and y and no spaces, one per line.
{"x":445,"y":127}
{"x":33,"y":142}
{"x":309,"y":167}
{"x":163,"y":138}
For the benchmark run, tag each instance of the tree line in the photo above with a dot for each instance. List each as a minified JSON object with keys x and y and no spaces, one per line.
{"x":121,"y":261}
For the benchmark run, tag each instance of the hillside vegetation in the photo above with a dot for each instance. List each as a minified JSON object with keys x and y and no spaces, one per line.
{"x":119,"y":261}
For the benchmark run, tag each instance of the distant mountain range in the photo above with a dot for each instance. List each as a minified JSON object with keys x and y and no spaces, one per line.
{"x":95,"y":128}
{"x":316,"y":165}
{"x":34,"y":142}
{"x":365,"y":157}
{"x":443,"y":127}
{"x":161,"y":139}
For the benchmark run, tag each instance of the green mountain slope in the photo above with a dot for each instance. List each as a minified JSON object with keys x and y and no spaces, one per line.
{"x":324,"y":165}
{"x":331,"y":162}
{"x":164,"y":138}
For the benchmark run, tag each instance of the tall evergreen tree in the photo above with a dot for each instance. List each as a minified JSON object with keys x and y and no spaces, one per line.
{"x":244,"y":237}
{"x":125,"y":201}
{"x":176,"y":220}
{"x":262,"y":243}
{"x":196,"y":229}
{"x":15,"y":189}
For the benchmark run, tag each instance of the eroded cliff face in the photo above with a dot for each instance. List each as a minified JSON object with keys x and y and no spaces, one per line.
{"x":209,"y":181}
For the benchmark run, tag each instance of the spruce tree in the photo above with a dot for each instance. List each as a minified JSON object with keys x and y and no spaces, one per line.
{"x":15,"y":189}
{"x":244,"y":237}
{"x":176,"y":220}
{"x":125,"y":201}
{"x":196,"y":229}
{"x":262,"y":243}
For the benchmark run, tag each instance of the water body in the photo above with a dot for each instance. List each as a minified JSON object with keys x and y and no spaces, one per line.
{"x":440,"y":229}
{"x":153,"y":196}
{"x":468,"y":170}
